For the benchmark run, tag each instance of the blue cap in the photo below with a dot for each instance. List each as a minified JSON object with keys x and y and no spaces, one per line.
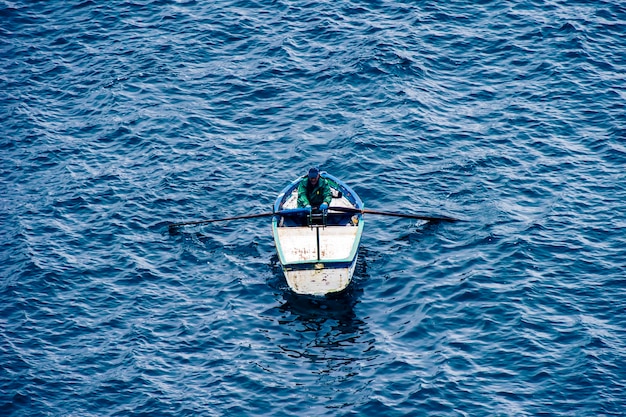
{"x":314,"y":172}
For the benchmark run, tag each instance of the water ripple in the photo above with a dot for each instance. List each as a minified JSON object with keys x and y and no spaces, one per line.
{"x":120,"y":118}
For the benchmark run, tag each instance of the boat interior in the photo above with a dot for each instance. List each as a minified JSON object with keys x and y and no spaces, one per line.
{"x":317,"y":218}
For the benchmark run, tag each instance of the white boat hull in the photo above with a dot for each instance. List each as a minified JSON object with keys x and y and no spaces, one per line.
{"x":318,"y":259}
{"x":321,"y":279}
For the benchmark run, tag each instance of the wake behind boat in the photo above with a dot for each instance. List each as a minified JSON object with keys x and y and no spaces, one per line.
{"x":318,"y":249}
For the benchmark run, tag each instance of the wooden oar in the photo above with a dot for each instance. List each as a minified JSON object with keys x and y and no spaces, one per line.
{"x":174,"y":226}
{"x":386,"y":213}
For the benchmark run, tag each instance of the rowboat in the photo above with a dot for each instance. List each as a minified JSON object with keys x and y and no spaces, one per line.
{"x":318,"y":251}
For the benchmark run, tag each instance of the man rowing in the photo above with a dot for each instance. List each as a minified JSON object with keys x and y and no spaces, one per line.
{"x":314,"y":191}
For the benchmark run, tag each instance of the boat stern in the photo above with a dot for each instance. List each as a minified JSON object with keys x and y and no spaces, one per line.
{"x":319,"y":278}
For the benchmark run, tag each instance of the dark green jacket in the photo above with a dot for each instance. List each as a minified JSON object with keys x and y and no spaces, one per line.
{"x":314,"y":196}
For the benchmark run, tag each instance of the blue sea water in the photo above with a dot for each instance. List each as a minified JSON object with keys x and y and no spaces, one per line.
{"x":121,"y":117}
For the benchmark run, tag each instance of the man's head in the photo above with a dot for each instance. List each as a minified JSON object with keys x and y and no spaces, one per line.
{"x":314,"y":175}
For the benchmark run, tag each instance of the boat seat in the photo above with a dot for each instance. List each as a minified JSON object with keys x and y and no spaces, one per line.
{"x":300,"y":219}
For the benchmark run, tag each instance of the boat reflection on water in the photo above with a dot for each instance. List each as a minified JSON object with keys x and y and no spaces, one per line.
{"x":327,"y":329}
{"x":337,"y":307}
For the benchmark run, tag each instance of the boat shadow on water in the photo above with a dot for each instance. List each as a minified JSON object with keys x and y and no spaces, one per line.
{"x":338,"y":307}
{"x":330,"y":330}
